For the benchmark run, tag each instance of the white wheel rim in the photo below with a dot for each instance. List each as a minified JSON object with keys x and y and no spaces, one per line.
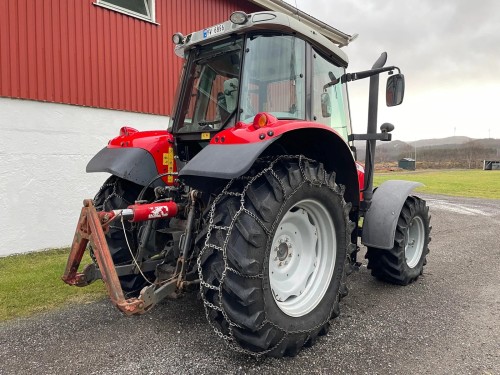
{"x":414,"y":244}
{"x":302,"y":258}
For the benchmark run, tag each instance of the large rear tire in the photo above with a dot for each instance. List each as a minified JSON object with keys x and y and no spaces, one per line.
{"x":273,"y":264}
{"x":405,"y":262}
{"x":117,"y":193}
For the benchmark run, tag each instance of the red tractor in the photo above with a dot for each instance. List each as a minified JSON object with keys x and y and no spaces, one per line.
{"x":253,"y":195}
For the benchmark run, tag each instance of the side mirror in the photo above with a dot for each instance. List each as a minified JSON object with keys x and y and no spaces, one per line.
{"x":395,"y":90}
{"x":326,"y":105}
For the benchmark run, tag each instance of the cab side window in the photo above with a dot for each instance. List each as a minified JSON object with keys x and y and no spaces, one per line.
{"x":330,"y":103}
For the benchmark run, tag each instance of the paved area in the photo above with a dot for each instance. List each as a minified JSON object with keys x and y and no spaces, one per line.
{"x":448,"y":322}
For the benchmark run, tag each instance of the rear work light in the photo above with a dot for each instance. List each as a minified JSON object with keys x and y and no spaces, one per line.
{"x":239,"y":18}
{"x":178,"y":38}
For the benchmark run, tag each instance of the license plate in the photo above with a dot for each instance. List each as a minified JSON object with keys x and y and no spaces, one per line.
{"x":207,"y":33}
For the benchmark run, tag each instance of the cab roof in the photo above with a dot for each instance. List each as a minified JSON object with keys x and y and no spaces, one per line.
{"x":265,"y":21}
{"x":338,"y":37}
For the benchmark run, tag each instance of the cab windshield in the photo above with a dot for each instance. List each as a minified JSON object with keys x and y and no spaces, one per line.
{"x":212,"y":95}
{"x":273,"y":77}
{"x":272,"y":80}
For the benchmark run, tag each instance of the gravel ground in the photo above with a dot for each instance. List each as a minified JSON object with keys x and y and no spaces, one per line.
{"x":448,"y":322}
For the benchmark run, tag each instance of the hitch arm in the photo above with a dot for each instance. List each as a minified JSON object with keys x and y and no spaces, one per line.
{"x":90,"y":229}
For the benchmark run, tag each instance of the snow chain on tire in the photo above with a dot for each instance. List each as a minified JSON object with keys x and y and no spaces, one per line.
{"x":213,"y":257}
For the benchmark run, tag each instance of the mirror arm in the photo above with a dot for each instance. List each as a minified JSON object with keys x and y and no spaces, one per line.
{"x":332,"y":83}
{"x":348,"y":77}
{"x":384,"y":136}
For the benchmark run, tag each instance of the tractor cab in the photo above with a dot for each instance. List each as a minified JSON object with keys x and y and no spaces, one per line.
{"x":265,"y":62}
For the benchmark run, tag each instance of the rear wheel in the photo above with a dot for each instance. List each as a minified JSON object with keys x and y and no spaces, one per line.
{"x":273,"y":263}
{"x":405,"y":262}
{"x":117,"y":193}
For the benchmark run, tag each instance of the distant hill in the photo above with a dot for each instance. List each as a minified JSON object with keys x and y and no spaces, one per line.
{"x":440,"y":141}
{"x":459,"y":152}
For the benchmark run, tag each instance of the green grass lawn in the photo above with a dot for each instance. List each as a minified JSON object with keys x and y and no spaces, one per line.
{"x":464,"y":183}
{"x":31,"y":283}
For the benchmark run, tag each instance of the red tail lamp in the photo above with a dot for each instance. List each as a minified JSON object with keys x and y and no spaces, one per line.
{"x":263,"y":119}
{"x":127,"y":130}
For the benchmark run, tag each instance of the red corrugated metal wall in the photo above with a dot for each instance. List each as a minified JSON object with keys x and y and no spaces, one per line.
{"x":74,"y":52}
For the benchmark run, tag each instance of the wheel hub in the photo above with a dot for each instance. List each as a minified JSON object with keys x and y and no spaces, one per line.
{"x":283,"y":252}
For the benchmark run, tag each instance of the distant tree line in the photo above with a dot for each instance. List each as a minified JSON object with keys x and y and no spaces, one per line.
{"x":468,"y":155}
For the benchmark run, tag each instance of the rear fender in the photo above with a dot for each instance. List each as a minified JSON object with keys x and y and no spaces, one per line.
{"x":379,"y":224}
{"x":132,"y":164}
{"x":218,"y":162}
{"x":137,"y":156}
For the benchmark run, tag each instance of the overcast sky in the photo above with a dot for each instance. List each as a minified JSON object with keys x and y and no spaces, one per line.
{"x":448,"y":50}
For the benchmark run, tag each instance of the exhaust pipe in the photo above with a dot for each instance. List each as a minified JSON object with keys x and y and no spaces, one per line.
{"x":372,"y":129}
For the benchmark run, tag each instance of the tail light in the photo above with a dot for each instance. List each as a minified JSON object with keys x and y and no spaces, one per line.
{"x":127,"y":130}
{"x":263,"y":119}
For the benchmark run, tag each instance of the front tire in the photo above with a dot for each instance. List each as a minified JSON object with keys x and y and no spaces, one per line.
{"x":405,"y":262}
{"x":273,"y":264}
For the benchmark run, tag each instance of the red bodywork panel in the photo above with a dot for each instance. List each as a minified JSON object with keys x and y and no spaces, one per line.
{"x":243,"y":133}
{"x":157,"y":142}
{"x":361,"y":179}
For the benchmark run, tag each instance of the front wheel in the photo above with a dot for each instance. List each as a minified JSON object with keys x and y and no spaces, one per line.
{"x":405,"y":262}
{"x":273,"y":262}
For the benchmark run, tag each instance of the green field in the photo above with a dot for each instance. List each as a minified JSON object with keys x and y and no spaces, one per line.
{"x":463,"y":183}
{"x":31,"y":283}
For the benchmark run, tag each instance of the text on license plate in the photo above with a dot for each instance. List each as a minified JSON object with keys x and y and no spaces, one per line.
{"x":207,"y":33}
